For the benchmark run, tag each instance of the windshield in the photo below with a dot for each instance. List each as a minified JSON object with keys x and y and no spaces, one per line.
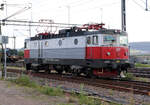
{"x":108,"y":39}
{"x":123,"y":40}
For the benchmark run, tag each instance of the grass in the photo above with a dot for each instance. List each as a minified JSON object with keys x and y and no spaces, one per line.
{"x":25,"y":81}
{"x":128,"y":76}
{"x":141,"y":65}
{"x":80,"y":98}
{"x":65,"y":104}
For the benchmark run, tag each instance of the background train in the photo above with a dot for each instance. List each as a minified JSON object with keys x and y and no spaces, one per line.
{"x":91,"y":49}
{"x":13,"y":55}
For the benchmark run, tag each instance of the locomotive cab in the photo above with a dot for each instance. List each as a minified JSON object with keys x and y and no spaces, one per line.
{"x":108,"y":52}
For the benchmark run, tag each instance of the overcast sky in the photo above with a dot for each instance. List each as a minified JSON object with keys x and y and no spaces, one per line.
{"x":81,"y":12}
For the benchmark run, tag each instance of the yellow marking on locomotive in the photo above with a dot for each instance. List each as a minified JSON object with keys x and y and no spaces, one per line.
{"x":118,"y":61}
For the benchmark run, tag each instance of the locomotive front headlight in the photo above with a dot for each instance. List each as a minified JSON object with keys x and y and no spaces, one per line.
{"x":108,"y":53}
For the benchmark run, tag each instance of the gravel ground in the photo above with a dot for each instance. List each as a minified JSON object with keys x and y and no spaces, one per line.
{"x":11,"y":94}
{"x":106,"y":94}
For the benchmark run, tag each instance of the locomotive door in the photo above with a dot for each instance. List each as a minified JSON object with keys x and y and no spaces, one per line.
{"x":89,"y":49}
{"x":40,"y":49}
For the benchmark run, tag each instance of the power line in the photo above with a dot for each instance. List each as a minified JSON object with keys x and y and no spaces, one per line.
{"x":145,"y":3}
{"x":100,"y":6}
{"x":138,"y":4}
{"x":37,"y":24}
{"x":83,"y":3}
{"x":142,"y":1}
{"x":75,"y":2}
{"x":19,"y":21}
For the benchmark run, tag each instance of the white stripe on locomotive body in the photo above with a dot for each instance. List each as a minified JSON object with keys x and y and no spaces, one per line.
{"x":67,"y":42}
{"x":51,"y":48}
{"x":67,"y":50}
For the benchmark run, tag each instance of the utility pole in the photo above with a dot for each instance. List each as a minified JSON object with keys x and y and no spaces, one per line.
{"x":146,"y":5}
{"x":123,"y":14}
{"x":1,"y":55}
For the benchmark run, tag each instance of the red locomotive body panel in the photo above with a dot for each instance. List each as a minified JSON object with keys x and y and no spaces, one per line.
{"x":93,"y":52}
{"x":106,"y":53}
{"x":26,"y":53}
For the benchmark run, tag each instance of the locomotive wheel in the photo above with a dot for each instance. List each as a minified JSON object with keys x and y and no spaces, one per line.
{"x":59,"y":71}
{"x":36,"y":70}
{"x":89,"y":73}
{"x":28,"y":67}
{"x":47,"y":69}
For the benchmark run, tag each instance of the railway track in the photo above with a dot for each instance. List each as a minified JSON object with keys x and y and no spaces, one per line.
{"x":134,"y":87}
{"x":140,"y":72}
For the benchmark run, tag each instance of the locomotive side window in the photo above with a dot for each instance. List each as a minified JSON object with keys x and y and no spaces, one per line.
{"x":46,"y":43}
{"x":76,"y":41}
{"x":60,"y":42}
{"x":88,"y":40}
{"x":95,"y":40}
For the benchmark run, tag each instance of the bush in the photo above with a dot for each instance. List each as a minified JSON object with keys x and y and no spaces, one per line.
{"x":25,"y":81}
{"x":51,"y":91}
{"x":20,"y":53}
{"x":128,"y":76}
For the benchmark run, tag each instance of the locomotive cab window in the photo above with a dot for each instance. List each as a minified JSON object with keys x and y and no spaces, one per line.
{"x":109,"y":39}
{"x":25,"y":44}
{"x":123,"y":40}
{"x":88,"y":40}
{"x":95,"y":40}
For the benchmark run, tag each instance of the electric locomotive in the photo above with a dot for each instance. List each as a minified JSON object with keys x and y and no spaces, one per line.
{"x":91,"y":50}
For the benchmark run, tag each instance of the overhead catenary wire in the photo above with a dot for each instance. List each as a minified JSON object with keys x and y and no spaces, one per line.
{"x":99,"y":6}
{"x":138,"y":4}
{"x":5,"y":21}
{"x":37,"y":24}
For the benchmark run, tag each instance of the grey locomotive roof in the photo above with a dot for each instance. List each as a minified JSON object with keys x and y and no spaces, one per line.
{"x":70,"y":33}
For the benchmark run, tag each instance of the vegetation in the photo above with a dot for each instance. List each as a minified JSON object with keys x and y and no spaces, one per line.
{"x":141,"y":65}
{"x":20,"y":53}
{"x":81,"y":98}
{"x":128,"y":76}
{"x":25,"y":81}
{"x":65,"y":104}
{"x":85,"y":100}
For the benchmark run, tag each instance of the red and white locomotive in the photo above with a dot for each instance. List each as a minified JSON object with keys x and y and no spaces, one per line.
{"x":91,"y":49}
